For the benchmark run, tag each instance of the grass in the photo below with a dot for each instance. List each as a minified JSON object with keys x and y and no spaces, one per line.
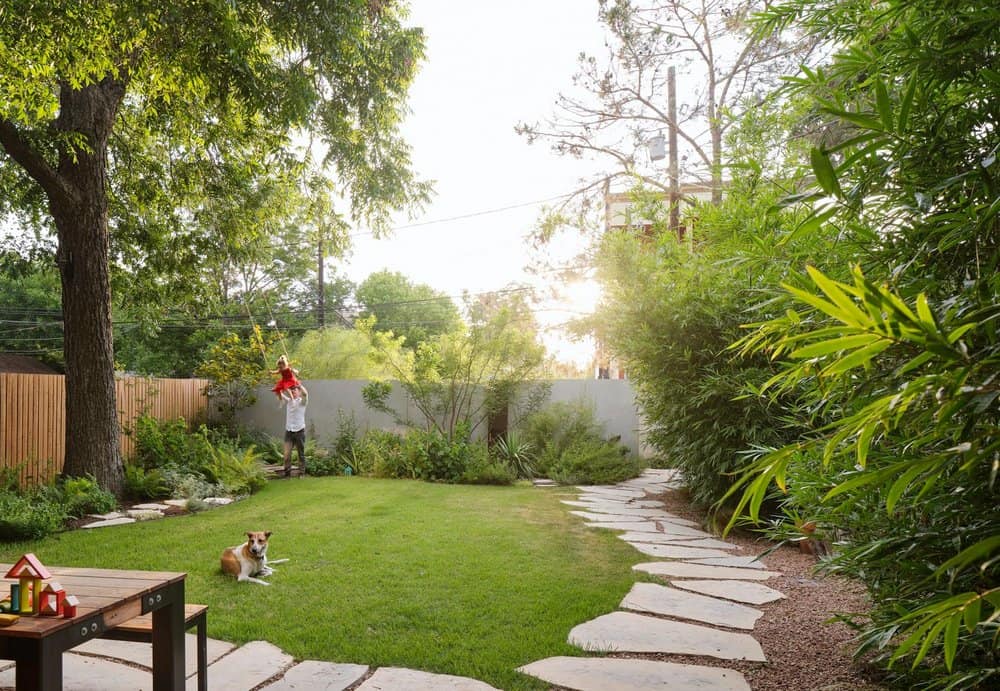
{"x":466,"y":580}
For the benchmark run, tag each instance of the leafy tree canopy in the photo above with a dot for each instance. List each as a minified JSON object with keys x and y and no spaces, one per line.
{"x":414,"y":311}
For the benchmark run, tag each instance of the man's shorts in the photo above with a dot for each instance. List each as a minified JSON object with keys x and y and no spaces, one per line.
{"x":296,"y":437}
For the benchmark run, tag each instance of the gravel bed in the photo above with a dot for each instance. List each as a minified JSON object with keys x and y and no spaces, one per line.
{"x":805,"y":650}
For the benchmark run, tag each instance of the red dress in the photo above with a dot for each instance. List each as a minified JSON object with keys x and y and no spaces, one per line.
{"x":287,"y":381}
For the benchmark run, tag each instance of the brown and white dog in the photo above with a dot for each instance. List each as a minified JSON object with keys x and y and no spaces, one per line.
{"x":249,"y":559}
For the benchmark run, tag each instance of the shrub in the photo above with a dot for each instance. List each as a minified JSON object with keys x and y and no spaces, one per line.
{"x":82,"y":495}
{"x":168,"y":442}
{"x":145,"y":484}
{"x":372,"y":450}
{"x":30,"y":516}
{"x":595,"y":462}
{"x":551,"y":430}
{"x":182,"y":483}
{"x":238,"y":473}
{"x":483,"y":469}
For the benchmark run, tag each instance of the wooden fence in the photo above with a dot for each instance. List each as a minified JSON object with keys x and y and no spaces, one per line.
{"x":33,"y":417}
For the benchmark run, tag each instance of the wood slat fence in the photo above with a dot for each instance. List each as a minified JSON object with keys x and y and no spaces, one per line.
{"x":33,"y":417}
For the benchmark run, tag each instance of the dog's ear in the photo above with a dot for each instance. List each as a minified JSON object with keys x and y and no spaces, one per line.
{"x":249,"y":535}
{"x":267,"y":534}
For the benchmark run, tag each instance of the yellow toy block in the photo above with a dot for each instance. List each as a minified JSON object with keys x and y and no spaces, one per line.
{"x":8,"y":619}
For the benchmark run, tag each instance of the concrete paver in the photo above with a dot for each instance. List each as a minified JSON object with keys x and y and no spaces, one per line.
{"x":665,"y":601}
{"x":397,"y":679}
{"x":686,"y":570}
{"x":245,"y":667}
{"x":634,"y":503}
{"x":650,"y":526}
{"x":749,"y":561}
{"x":109,"y":522}
{"x":142,"y":653}
{"x":741,"y":591}
{"x":626,"y":632}
{"x":312,"y":675}
{"x":676,"y":551}
{"x":679,"y":540}
{"x":623,"y":674}
{"x":82,"y":673}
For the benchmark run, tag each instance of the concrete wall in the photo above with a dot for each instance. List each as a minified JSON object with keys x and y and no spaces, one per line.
{"x":613,"y":401}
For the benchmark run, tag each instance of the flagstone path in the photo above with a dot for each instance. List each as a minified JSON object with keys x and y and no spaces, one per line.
{"x":698,"y":614}
{"x":703,"y":609}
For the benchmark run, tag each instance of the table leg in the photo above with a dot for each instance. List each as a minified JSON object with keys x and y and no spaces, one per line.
{"x":168,"y":642}
{"x":39,"y":665}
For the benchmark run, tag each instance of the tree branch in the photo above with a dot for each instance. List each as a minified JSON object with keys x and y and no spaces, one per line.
{"x":33,"y":163}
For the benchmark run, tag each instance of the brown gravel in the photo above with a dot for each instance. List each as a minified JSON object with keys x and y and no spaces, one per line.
{"x":805,"y":651}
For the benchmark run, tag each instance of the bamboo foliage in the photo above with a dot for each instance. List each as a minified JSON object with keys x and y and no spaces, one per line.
{"x":33,"y":417}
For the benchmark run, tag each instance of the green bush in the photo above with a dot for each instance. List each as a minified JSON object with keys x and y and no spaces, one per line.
{"x":588,"y":461}
{"x":145,"y":484}
{"x":551,"y":430}
{"x":82,"y":495}
{"x":239,"y":473}
{"x":481,"y":468}
{"x":374,"y":450}
{"x":30,"y":516}
{"x":168,"y":442}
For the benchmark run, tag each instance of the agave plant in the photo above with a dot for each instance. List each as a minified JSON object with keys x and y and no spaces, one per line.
{"x":516,"y":453}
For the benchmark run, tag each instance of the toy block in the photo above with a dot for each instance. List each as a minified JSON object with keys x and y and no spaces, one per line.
{"x":51,"y":601}
{"x":8,"y":619}
{"x":15,"y":597}
{"x":70,"y":604}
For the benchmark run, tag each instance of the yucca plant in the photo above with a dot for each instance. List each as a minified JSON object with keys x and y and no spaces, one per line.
{"x":516,"y":453}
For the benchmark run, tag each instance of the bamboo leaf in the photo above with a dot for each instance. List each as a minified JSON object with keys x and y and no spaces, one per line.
{"x":971,"y":613}
{"x":907,"y":103}
{"x":858,"y":358}
{"x":979,"y":550}
{"x":929,"y":641}
{"x":951,"y":639}
{"x":825,"y":174}
{"x":837,"y":293}
{"x":835,"y":345}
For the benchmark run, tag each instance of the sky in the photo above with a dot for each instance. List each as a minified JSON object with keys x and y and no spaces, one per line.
{"x":489,"y":65}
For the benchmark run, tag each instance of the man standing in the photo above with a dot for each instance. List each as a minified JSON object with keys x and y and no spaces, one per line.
{"x":295,"y":401}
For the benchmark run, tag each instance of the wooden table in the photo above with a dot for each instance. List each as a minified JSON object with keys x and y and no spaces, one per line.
{"x":107,"y":598}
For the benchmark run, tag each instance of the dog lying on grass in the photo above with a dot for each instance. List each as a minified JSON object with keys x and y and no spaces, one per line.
{"x":249,"y":560}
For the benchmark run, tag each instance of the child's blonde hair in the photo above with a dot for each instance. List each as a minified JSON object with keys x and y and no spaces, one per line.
{"x":282,"y":362}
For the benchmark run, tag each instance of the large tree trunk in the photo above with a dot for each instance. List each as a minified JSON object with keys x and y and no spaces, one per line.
{"x":81,"y":218}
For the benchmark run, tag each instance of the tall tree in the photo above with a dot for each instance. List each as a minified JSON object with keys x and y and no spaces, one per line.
{"x":412,"y":310}
{"x":79,"y":77}
{"x":619,"y":103}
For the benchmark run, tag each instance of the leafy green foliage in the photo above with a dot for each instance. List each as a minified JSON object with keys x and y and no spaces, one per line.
{"x":516,"y":453}
{"x":334,"y":353}
{"x":142,"y":483}
{"x":893,"y":367}
{"x":235,"y":366}
{"x":82,"y":495}
{"x":414,"y":311}
{"x":239,"y":472}
{"x":30,"y":516}
{"x":589,"y":461}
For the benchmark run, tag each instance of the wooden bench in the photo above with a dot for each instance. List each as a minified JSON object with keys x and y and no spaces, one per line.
{"x":140,"y":630}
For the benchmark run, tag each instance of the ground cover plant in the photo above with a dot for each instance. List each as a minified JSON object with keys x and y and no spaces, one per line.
{"x":465,"y":580}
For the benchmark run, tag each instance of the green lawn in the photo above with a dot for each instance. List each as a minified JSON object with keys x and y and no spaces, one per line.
{"x":464,"y":580}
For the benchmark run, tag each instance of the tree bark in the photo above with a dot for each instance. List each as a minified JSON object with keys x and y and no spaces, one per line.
{"x":81,"y":219}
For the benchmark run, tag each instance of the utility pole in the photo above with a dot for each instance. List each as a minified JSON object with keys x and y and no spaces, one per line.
{"x":675,"y":188}
{"x":321,"y":288}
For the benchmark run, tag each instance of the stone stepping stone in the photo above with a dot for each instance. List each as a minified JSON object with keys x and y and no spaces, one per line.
{"x":664,"y":539}
{"x":144,"y":515}
{"x":599,"y":517}
{"x":181,"y":503}
{"x":611,"y":492}
{"x":676,"y":552}
{"x":638,"y":503}
{"x":397,"y":679}
{"x":109,"y":522}
{"x":743,"y":562}
{"x":312,"y":675}
{"x":621,"y":674}
{"x":651,"y":526}
{"x":670,"y":602}
{"x":626,"y":632}
{"x":544,"y":482}
{"x":217,"y":501}
{"x":111,"y":515}
{"x":677,"y":569}
{"x":142,"y":653}
{"x":154,"y":507}
{"x":626,"y":513}
{"x":82,"y":673}
{"x":741,"y":591}
{"x":245,"y":668}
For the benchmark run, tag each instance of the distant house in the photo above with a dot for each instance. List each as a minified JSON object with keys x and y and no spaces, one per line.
{"x":618,"y":206}
{"x":22,"y":364}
